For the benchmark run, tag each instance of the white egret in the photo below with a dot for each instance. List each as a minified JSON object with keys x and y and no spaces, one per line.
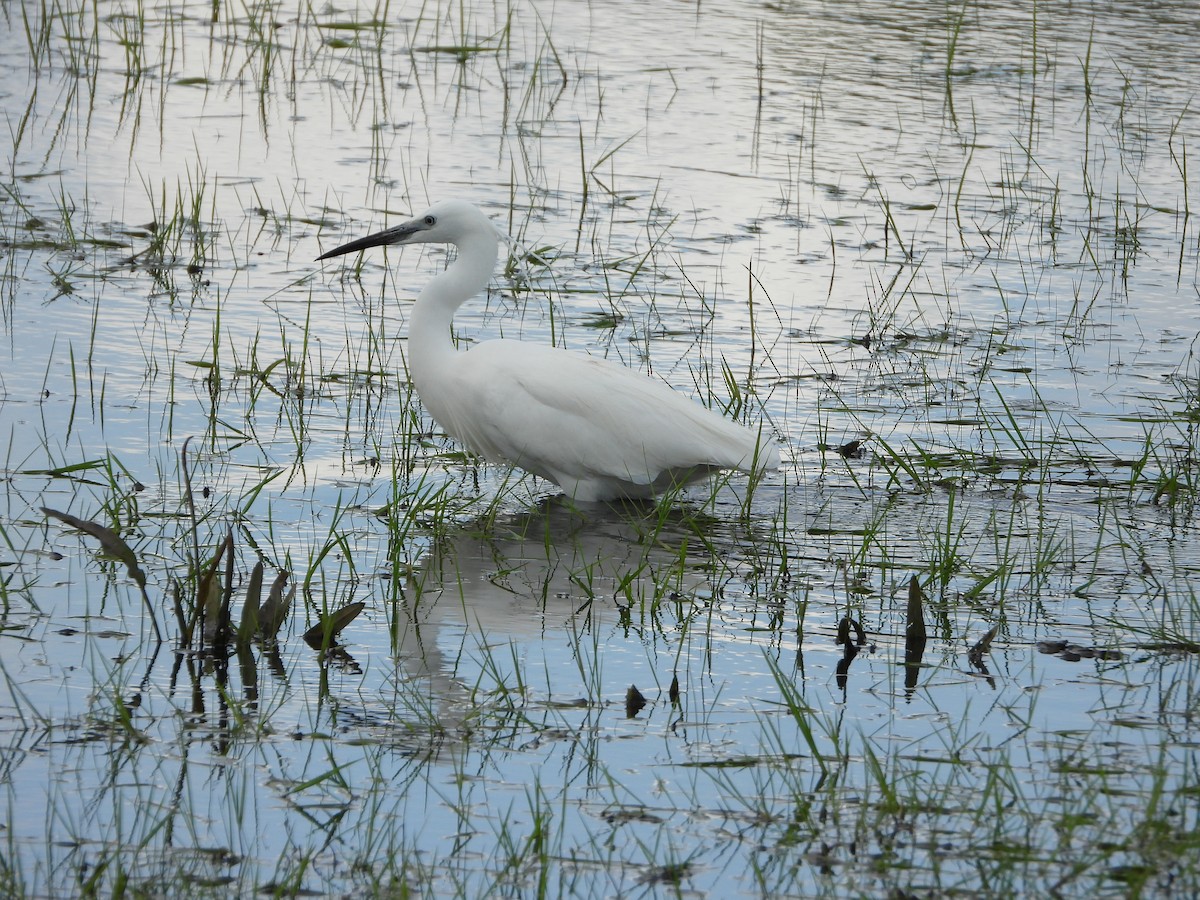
{"x":598,"y":430}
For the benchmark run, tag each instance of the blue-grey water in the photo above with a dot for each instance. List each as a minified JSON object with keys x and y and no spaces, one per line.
{"x":960,"y":233}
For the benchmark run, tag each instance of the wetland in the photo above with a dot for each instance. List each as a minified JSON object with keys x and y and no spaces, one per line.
{"x":943,"y":251}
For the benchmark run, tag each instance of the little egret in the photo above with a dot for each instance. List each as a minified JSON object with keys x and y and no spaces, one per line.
{"x":598,"y":430}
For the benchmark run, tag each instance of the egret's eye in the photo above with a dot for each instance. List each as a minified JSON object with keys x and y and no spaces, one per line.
{"x":430,"y":221}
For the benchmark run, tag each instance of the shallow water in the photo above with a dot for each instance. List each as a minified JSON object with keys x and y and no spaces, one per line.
{"x":966,"y":235}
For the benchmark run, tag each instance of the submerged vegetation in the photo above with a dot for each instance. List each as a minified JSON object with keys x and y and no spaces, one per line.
{"x":265,"y":630}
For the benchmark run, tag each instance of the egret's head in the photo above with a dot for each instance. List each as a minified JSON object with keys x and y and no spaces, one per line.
{"x":448,"y":222}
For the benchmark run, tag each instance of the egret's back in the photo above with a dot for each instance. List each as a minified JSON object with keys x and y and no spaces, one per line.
{"x":595,"y":428}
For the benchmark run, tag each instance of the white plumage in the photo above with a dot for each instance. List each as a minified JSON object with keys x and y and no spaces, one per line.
{"x":595,"y":428}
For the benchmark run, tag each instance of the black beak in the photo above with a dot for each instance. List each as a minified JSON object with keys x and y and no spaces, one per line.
{"x":397,"y":234}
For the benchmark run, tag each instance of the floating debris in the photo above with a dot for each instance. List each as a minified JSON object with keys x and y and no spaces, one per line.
{"x":325,"y":632}
{"x":634,"y":701}
{"x":1075,"y":652}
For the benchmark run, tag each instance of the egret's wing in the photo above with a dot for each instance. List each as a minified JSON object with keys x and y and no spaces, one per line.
{"x":564,"y":414}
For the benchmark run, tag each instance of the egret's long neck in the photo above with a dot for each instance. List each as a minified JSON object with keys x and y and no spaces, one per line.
{"x":429,"y":342}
